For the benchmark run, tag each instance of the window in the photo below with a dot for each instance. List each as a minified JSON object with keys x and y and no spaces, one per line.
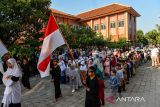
{"x":96,"y":27}
{"x":121,"y":23}
{"x":75,"y":27}
{"x":112,"y":24}
{"x":88,"y":27}
{"x":103,"y":26}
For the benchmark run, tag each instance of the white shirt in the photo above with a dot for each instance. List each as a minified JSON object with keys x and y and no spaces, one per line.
{"x":154,"y":52}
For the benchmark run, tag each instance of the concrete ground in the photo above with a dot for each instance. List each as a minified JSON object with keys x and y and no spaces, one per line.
{"x":143,"y":91}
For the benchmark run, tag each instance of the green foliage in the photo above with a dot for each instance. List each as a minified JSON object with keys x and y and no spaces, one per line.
{"x":141,"y":39}
{"x":153,"y":37}
{"x":22,"y":18}
{"x":81,"y":37}
{"x":122,"y":42}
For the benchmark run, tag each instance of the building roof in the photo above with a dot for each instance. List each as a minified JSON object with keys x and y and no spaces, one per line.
{"x":98,"y":12}
{"x":107,"y":10}
{"x":62,"y":14}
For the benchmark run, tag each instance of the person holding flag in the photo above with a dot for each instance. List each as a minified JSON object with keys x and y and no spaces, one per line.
{"x":56,"y":74}
{"x":52,"y":40}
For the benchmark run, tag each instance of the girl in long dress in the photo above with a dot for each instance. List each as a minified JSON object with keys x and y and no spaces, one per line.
{"x":107,"y":66}
{"x":83,"y":72}
{"x":78,"y":78}
{"x":11,"y":79}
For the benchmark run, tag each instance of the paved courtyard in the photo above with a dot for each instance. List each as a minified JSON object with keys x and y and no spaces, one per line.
{"x":146,"y":85}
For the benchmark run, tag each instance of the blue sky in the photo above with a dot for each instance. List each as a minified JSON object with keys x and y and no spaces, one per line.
{"x":148,"y":9}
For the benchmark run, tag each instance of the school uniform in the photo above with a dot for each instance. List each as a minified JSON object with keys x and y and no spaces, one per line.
{"x":92,"y":96}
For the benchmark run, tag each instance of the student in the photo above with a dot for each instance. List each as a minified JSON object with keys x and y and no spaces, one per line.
{"x":123,"y":68}
{"x":92,"y":89}
{"x":114,"y":83}
{"x":63,"y":69}
{"x":78,"y":78}
{"x":26,"y":74}
{"x":56,"y":74}
{"x":107,"y":66}
{"x":83,"y":72}
{"x":128,"y":70}
{"x":101,"y":90}
{"x":11,"y":79}
{"x":72,"y":77}
{"x":120,"y":76}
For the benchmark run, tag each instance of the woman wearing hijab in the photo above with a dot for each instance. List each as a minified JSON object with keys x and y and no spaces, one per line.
{"x":11,"y":79}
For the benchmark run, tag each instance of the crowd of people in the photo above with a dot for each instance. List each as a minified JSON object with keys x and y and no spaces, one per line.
{"x":88,"y":69}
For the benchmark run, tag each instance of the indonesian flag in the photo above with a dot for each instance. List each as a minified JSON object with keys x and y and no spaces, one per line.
{"x":3,"y":49}
{"x":52,"y":40}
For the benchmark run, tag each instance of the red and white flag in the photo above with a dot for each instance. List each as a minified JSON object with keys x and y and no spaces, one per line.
{"x":53,"y":39}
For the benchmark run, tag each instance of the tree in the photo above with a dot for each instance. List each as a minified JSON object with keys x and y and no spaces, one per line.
{"x":158,"y":28}
{"x":122,"y":42}
{"x":141,"y":39}
{"x":22,"y":18}
{"x":81,"y":37}
{"x":153,"y":36}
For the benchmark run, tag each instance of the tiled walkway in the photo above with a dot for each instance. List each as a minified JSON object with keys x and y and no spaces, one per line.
{"x":145,"y":85}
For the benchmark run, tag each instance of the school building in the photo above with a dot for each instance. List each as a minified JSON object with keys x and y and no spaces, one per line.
{"x":113,"y":21}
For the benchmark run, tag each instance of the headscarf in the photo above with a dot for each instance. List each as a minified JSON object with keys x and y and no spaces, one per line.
{"x":15,"y":71}
{"x":8,"y":96}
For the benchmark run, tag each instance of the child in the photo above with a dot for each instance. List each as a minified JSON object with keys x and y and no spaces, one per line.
{"x":56,"y":73}
{"x":72,"y":77}
{"x":92,"y":89}
{"x":114,"y":83}
{"x":107,"y":66}
{"x":123,"y":67}
{"x":83,"y":72}
{"x":120,"y":77}
{"x":78,"y":78}
{"x":128,"y":66}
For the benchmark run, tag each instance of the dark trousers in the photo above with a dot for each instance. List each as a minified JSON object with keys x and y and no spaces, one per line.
{"x":119,"y":89}
{"x":13,"y":105}
{"x":25,"y":82}
{"x":128,"y":75}
{"x":90,"y":103}
{"x":57,"y":88}
{"x":63,"y":79}
{"x":124,"y":86}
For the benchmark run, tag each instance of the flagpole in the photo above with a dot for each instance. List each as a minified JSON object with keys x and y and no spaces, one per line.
{"x":72,"y":57}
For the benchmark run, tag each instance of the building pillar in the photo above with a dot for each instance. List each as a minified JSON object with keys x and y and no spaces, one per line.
{"x":131,"y":26}
{"x":135,"y":28}
{"x":126,"y":26}
{"x":106,"y":20}
{"x":117,"y":26}
{"x":108,"y":27}
{"x":91,"y":24}
{"x":99,"y":25}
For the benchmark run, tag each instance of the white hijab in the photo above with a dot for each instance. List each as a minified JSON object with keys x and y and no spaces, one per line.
{"x":14,"y":71}
{"x":12,"y":91}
